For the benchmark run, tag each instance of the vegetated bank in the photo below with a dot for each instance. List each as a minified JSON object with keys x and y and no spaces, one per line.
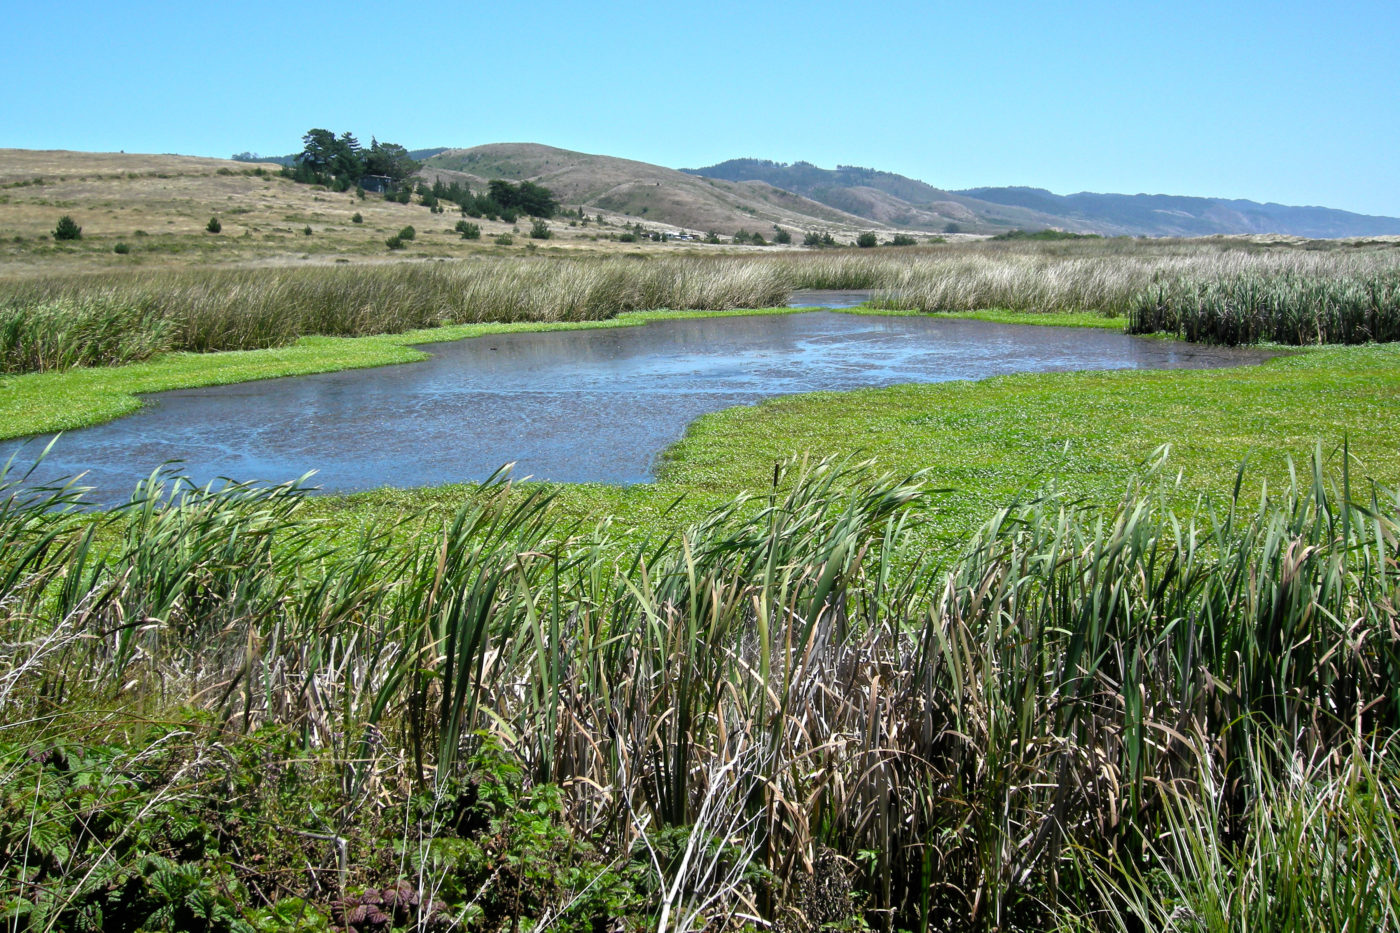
{"x":779,"y":715}
{"x":54,"y":322}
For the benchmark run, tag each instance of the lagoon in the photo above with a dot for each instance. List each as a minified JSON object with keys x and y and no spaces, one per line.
{"x":568,"y":406}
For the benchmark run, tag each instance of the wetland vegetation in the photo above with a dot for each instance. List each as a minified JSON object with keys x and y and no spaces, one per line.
{"x":1052,"y":659}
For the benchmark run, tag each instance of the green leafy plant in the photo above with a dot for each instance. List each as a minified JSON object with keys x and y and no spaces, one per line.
{"x":213,"y":226}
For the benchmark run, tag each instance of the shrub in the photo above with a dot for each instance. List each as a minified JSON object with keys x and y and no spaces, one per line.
{"x":781,"y":236}
{"x":505,"y":239}
{"x":867,"y":240}
{"x":213,"y":226}
{"x":67,"y":229}
{"x":306,"y":231}
{"x":951,"y":228}
{"x":812,"y":238}
{"x":468,"y":230}
{"x":394,"y":242}
{"x":121,"y":249}
{"x":627,"y":238}
{"x":358,"y":218}
{"x":509,"y":217}
{"x":407,"y":233}
{"x":903,"y":239}
{"x":539,"y":230}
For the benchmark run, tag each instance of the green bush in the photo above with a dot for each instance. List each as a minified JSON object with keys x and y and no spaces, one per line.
{"x":627,"y":238}
{"x":67,"y":229}
{"x":539,"y":230}
{"x":781,"y":236}
{"x":505,"y":239}
{"x":468,"y":230}
{"x":306,"y":231}
{"x":121,"y":249}
{"x":358,"y":218}
{"x":394,"y":242}
{"x":407,"y":233}
{"x":213,"y":226}
{"x":903,"y":239}
{"x":867,"y":240}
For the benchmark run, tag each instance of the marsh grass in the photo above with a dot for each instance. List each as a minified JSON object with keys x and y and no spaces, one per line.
{"x":1052,"y":725}
{"x":58,"y":322}
{"x":1237,"y":294}
{"x":79,"y":332}
{"x":1287,"y":307}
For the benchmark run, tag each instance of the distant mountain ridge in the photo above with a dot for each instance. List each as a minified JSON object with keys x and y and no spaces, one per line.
{"x":890,"y":198}
{"x":1176,"y":215}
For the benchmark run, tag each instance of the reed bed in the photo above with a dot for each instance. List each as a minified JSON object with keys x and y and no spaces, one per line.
{"x":1288,"y":307}
{"x":1248,"y":291}
{"x":50,"y":323}
{"x":778,"y":716}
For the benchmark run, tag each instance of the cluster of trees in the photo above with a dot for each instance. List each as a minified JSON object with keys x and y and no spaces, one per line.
{"x":340,"y":162}
{"x":525,"y":198}
{"x":501,"y":200}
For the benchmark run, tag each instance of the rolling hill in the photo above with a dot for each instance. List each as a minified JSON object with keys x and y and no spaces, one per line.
{"x":649,"y":193}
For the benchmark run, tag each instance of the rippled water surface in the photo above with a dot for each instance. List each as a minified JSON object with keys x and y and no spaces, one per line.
{"x":571,"y":406}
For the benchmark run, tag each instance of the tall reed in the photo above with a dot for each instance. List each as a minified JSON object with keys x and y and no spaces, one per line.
{"x":1286,"y":308}
{"x":1056,"y":698}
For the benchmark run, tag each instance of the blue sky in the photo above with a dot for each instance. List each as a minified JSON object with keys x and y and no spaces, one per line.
{"x":1292,"y":102}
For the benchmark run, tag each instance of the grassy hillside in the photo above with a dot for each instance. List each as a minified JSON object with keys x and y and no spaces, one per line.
{"x":638,"y":190}
{"x":144,"y":212}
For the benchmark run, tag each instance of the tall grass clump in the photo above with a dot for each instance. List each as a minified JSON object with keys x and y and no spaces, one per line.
{"x":1107,"y":276}
{"x":1092,"y":717}
{"x":1288,"y":308}
{"x":91,"y":331}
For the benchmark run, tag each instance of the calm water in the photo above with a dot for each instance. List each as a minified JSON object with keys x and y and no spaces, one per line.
{"x":571,"y":406}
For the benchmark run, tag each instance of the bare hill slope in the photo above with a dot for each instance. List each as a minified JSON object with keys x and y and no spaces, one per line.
{"x":650,"y":193}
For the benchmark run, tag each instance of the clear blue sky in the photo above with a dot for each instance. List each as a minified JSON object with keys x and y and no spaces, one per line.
{"x":1294,"y":102}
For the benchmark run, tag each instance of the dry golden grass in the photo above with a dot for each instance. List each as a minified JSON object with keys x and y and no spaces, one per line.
{"x":159,"y":206}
